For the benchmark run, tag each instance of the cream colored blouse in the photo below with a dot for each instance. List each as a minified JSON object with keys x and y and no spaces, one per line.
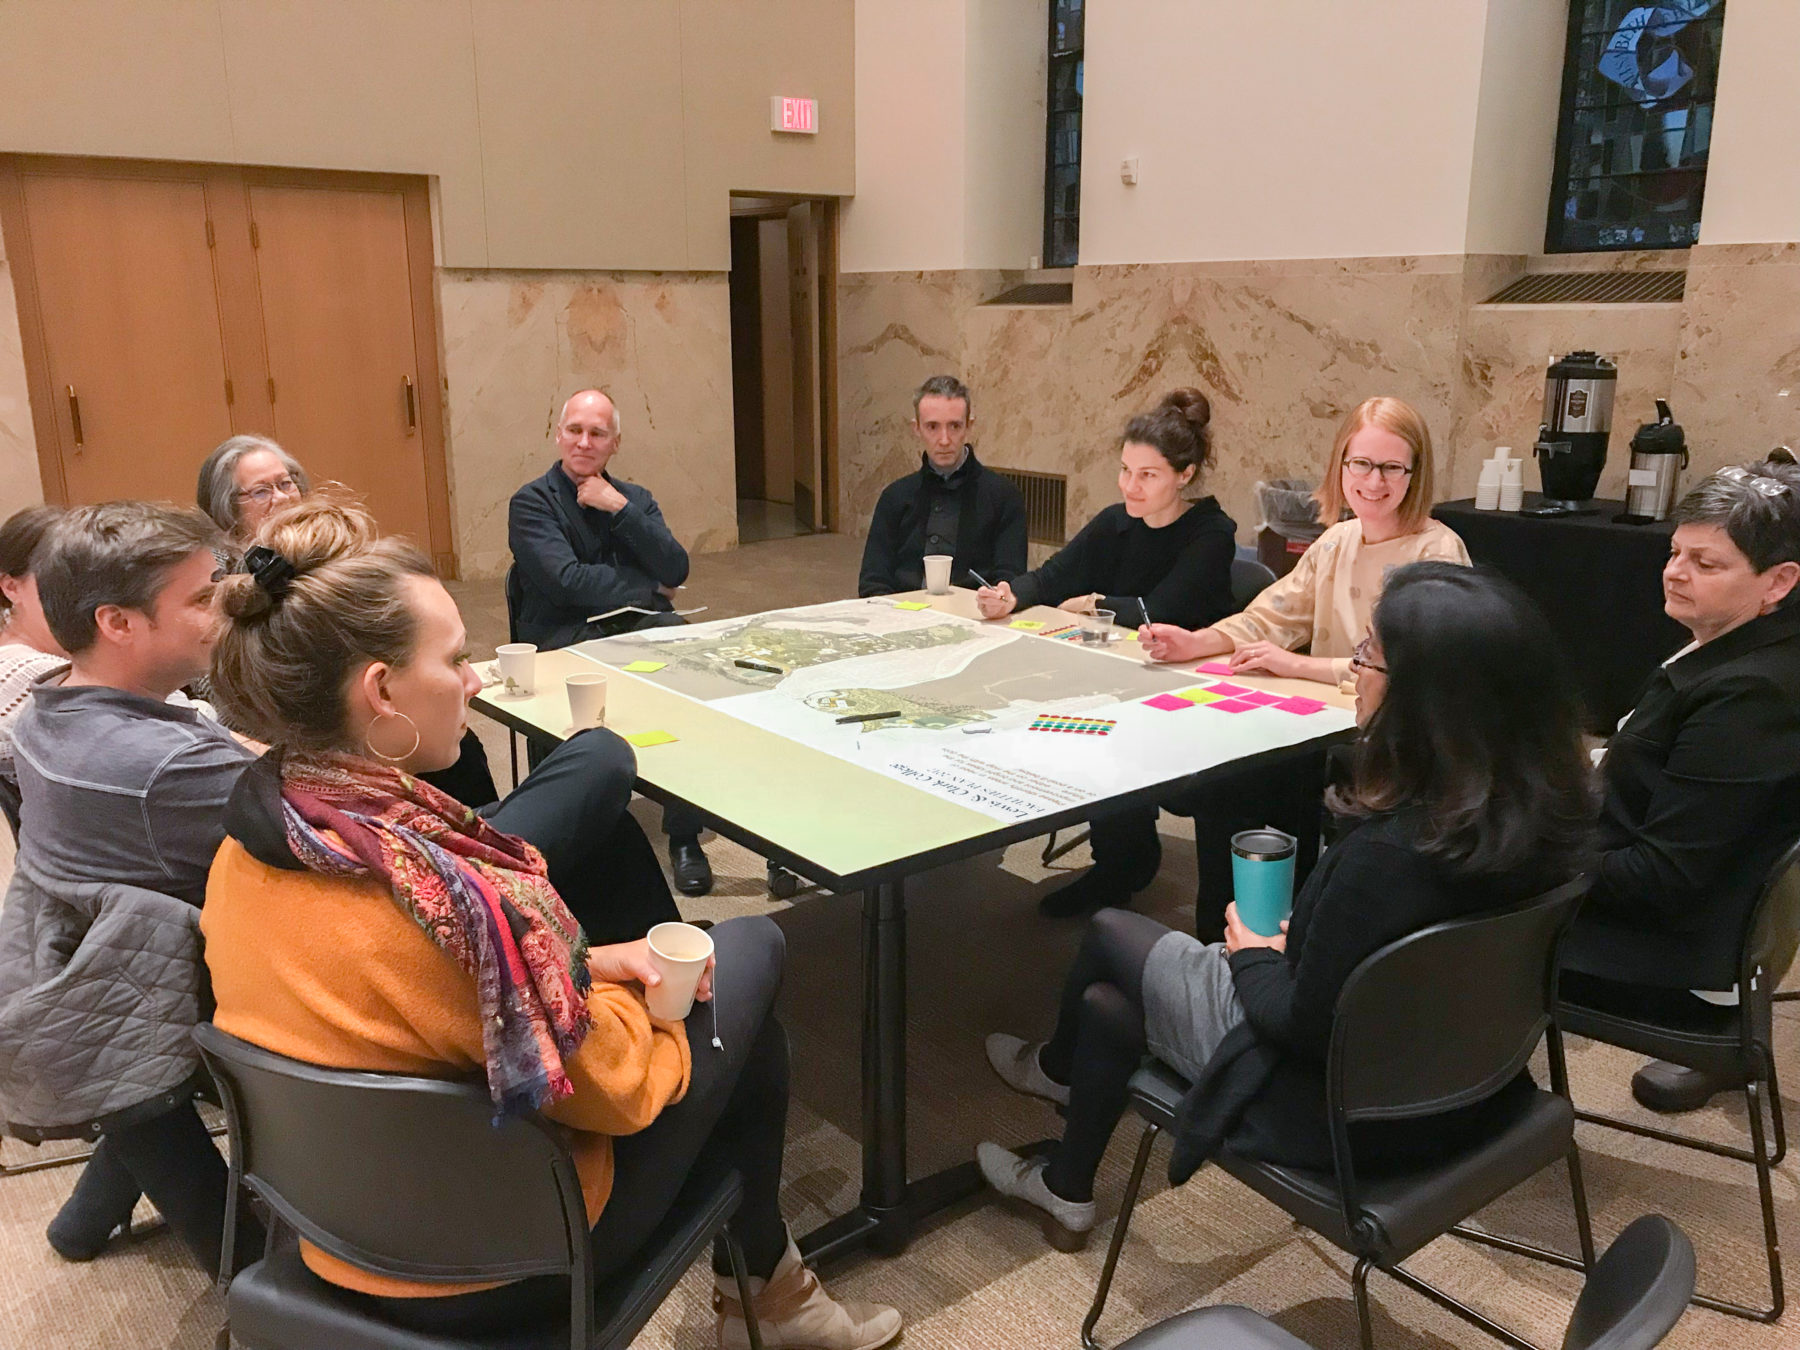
{"x":1328,"y":597}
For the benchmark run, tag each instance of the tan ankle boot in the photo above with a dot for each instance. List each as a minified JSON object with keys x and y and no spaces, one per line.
{"x":793,"y":1312}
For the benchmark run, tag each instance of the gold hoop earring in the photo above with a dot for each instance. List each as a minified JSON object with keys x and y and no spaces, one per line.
{"x":402,"y":757}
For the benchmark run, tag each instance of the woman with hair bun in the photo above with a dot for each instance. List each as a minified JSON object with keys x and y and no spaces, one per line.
{"x":1153,"y":556}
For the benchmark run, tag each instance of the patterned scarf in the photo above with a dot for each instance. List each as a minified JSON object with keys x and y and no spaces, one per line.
{"x":484,"y":897}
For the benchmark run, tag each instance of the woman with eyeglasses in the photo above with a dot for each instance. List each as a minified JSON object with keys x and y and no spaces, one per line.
{"x":245,"y":480}
{"x":1702,"y":779}
{"x":1379,"y":472}
{"x":1468,"y":791}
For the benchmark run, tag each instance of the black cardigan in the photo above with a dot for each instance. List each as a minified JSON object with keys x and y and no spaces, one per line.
{"x":1702,"y":795}
{"x":1182,"y":572}
{"x":1263,"y":1094}
{"x":990,"y":529}
{"x":574,"y":560}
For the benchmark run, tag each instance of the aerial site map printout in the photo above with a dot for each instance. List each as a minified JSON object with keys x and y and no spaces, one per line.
{"x":960,"y":708}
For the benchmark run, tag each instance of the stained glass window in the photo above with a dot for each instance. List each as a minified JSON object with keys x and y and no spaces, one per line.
{"x":1062,"y":149}
{"x":1636,"y":124}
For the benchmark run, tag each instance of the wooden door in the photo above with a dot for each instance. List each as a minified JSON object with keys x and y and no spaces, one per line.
{"x":131,"y":360}
{"x":337,"y":302}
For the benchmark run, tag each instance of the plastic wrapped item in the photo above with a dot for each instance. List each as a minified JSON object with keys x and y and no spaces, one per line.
{"x":1290,"y":522}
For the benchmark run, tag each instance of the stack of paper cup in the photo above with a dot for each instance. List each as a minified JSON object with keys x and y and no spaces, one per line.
{"x":1512,"y":484}
{"x":1487,"y":487}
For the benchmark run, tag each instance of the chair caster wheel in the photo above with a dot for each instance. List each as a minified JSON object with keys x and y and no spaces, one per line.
{"x":783,"y":884}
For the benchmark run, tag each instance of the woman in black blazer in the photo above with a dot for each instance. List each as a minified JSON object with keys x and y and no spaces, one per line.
{"x":1469,"y":791}
{"x":1702,"y":779}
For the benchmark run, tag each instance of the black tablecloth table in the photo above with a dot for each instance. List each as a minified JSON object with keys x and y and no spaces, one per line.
{"x":1597,"y":581}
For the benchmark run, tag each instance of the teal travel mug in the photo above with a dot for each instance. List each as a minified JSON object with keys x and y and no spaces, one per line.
{"x":1262,"y":878}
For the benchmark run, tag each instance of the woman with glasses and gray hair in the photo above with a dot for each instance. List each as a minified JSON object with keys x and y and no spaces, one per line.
{"x":245,"y":480}
{"x":1702,"y":779}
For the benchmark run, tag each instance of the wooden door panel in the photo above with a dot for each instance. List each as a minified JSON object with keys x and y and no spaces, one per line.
{"x":130,"y":321}
{"x":337,"y":310}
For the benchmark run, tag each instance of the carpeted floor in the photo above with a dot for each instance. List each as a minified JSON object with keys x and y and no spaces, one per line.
{"x":981,"y":1276}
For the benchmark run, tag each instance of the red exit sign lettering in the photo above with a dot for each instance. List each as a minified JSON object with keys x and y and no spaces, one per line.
{"x":799,"y":115}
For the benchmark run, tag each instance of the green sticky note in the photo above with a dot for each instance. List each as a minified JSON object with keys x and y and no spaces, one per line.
{"x":644,"y":667}
{"x":643,"y":740}
{"x":1198,"y":695}
{"x":912,"y":604}
{"x":1029,"y":625}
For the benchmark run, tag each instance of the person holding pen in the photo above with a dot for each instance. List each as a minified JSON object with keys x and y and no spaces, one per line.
{"x":1153,"y":553}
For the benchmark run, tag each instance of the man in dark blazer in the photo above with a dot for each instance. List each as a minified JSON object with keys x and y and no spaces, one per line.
{"x":586,"y":544}
{"x":951,"y":505}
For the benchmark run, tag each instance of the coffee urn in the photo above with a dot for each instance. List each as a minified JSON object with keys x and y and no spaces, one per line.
{"x":1571,"y":445}
{"x":1654,"y":478}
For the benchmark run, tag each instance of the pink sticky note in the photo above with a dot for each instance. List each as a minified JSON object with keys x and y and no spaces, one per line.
{"x":1230,"y":690}
{"x":1213,"y":668}
{"x":1232,"y":705}
{"x":1262,"y":698}
{"x":1167,"y":702}
{"x":1299,"y":705}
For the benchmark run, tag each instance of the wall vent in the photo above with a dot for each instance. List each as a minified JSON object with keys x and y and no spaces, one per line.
{"x":1593,"y":288}
{"x":1046,"y":503}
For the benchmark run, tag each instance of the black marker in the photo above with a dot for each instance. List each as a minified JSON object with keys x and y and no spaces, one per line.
{"x":762,"y":666}
{"x":867,"y":717}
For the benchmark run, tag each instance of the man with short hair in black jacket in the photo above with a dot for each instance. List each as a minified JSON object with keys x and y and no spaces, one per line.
{"x":586,"y":544}
{"x":951,"y":505}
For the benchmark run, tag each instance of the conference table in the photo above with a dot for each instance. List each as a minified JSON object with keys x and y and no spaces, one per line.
{"x":850,"y":829}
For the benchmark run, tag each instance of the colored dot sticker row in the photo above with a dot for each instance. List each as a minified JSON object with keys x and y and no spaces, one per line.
{"x":1080,"y":726}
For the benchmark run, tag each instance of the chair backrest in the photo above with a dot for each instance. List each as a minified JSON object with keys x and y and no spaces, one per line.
{"x":1637,"y":1291}
{"x":1774,"y":932}
{"x":515,"y":600}
{"x":408,"y":1177}
{"x":1447,"y":1016}
{"x":1249,"y":579}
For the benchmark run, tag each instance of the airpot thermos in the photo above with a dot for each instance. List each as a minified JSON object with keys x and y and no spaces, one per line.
{"x":1571,"y":445}
{"x":1658,"y":455}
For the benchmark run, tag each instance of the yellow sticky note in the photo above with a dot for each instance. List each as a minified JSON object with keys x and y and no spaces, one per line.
{"x":1029,"y":625}
{"x":1130,"y":635}
{"x":643,"y":740}
{"x":912,"y":604}
{"x":1198,"y":695}
{"x":644,"y":667}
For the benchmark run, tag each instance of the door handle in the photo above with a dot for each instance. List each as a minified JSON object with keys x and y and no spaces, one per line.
{"x":412,"y":405}
{"x":75,"y":415}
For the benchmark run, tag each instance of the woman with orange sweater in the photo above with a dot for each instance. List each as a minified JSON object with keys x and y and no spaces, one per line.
{"x":358,"y":918}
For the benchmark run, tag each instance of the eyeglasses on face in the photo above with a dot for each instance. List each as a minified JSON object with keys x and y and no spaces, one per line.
{"x":1389,"y":469}
{"x":1359,"y":659}
{"x":264,"y":493}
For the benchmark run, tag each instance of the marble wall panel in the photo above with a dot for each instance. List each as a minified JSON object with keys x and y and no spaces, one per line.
{"x":1737,"y":369}
{"x":516,"y":344}
{"x":20,"y":482}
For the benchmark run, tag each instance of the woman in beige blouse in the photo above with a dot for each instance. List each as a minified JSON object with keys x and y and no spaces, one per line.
{"x":1380,"y":471}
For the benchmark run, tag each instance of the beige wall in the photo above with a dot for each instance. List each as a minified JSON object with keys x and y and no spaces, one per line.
{"x":1004,"y":77}
{"x":1514,"y":154}
{"x":564,"y":133}
{"x":1753,"y":176}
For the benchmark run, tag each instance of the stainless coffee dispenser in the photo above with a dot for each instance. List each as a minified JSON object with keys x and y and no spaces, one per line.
{"x":1654,"y":478}
{"x":1571,"y":445}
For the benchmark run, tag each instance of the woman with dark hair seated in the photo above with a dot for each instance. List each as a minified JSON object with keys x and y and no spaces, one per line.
{"x":1702,"y":779}
{"x":28,"y":651}
{"x":435,"y":944}
{"x":1468,"y":792}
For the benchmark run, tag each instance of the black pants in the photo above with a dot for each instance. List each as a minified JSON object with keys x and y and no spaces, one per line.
{"x":1098,"y":1043}
{"x":733,"y":1116}
{"x":170,"y":1158}
{"x":573,"y":807}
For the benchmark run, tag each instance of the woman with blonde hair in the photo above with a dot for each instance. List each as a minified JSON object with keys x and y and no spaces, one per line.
{"x":434,"y":943}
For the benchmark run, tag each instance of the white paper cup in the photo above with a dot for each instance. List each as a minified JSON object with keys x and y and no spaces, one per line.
{"x":518,"y":667}
{"x":679,"y":951}
{"x":937,"y":573}
{"x":587,"y":700}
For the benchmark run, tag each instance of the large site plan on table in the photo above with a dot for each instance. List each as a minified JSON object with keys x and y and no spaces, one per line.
{"x":961,"y":698}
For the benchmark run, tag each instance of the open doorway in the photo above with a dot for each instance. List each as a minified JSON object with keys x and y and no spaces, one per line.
{"x":783,"y":365}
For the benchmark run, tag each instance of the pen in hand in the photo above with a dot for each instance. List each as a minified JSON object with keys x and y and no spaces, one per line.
{"x":986,"y":585}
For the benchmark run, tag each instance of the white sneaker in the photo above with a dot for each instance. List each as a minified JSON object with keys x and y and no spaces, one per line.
{"x":1016,"y":1061}
{"x":1066,"y":1224}
{"x":793,"y":1312}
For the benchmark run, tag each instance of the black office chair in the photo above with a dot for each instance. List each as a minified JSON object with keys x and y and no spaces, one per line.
{"x":411,"y":1178}
{"x":1249,"y":579}
{"x":1635,"y":1295}
{"x":1465,"y":1003}
{"x":1727,"y":1042}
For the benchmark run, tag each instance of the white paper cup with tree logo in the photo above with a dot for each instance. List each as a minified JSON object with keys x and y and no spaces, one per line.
{"x":518,"y":667}
{"x":937,"y":573}
{"x":679,"y":951}
{"x":587,"y":701}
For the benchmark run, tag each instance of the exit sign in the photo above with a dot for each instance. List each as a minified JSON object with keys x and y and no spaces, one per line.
{"x":794,"y":114}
